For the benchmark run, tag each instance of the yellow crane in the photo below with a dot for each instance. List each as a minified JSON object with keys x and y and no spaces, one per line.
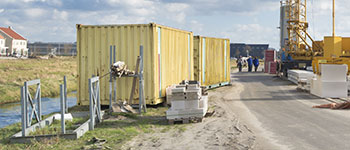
{"x":297,"y":44}
{"x":336,"y":49}
{"x":299,"y":50}
{"x":298,"y":47}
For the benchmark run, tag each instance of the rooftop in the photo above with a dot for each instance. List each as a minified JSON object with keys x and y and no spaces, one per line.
{"x":12,"y":33}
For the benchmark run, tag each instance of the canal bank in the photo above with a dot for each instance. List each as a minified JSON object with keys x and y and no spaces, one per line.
{"x":11,"y":113}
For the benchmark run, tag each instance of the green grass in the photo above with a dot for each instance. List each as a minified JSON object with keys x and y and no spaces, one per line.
{"x":50,"y":72}
{"x":116,"y":132}
{"x":55,"y":127}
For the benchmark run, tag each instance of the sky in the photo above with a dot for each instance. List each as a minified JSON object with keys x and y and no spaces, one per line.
{"x":242,"y":21}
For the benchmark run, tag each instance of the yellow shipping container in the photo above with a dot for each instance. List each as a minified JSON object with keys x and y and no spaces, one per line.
{"x":168,"y":58}
{"x":211,"y":61}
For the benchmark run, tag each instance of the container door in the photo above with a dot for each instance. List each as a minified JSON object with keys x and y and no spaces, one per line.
{"x":203,"y":61}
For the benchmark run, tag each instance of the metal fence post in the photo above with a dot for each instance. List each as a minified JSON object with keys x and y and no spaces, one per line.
{"x":115,"y":81}
{"x":39,"y":101}
{"x":24,"y":112}
{"x":142,"y":104}
{"x":92,"y":114}
{"x":26,"y":103}
{"x":110,"y":79}
{"x":65,"y":93}
{"x":98,"y":107}
{"x":63,"y":127}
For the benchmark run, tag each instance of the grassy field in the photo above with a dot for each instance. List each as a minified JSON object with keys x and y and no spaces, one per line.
{"x":13,"y":74}
{"x":115,"y":131}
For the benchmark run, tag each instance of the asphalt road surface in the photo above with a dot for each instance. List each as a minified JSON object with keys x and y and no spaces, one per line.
{"x":283,"y":118}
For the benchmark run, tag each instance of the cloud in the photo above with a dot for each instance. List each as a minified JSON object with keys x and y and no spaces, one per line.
{"x":250,"y":21}
{"x":320,"y":18}
{"x":196,"y":26}
{"x":34,"y":12}
{"x":252,"y":33}
{"x":217,"y":7}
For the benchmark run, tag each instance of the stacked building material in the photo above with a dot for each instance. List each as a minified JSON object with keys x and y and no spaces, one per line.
{"x":188,"y":101}
{"x":332,"y":83}
{"x":296,"y":75}
{"x":272,"y":67}
{"x":169,"y":93}
{"x":270,"y":56}
{"x":301,"y":77}
{"x":348,"y":83}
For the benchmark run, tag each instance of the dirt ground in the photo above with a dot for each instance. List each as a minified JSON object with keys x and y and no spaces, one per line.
{"x":223,"y":130}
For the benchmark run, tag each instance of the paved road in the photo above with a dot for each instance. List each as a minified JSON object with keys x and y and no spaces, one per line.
{"x":286,"y":115}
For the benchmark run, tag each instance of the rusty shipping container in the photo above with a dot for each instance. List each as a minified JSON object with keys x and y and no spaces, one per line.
{"x":168,"y":58}
{"x":212,"y":61}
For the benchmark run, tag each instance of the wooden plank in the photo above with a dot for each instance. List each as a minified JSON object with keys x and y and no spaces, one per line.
{"x":134,"y":81}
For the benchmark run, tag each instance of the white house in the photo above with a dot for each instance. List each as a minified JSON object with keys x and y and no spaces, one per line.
{"x":17,"y":44}
{"x":2,"y":46}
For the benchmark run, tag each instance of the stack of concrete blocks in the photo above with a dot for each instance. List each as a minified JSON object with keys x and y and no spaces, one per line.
{"x":332,"y":83}
{"x":187,"y":101}
{"x":348,"y":83}
{"x":302,"y":78}
{"x":272,"y":67}
{"x":270,"y":56}
{"x":169,"y":93}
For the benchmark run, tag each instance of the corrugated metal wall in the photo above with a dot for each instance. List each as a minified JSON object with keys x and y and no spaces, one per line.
{"x":171,"y":49}
{"x":212,"y":60}
{"x":176,"y":55}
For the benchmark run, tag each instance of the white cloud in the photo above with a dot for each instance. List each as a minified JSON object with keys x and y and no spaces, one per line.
{"x":54,"y":20}
{"x":59,"y":15}
{"x":34,"y":12}
{"x":176,"y":11}
{"x":196,"y":26}
{"x":252,"y":33}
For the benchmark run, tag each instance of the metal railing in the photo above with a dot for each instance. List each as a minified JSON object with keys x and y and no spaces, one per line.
{"x":95,"y":106}
{"x":26,"y":99}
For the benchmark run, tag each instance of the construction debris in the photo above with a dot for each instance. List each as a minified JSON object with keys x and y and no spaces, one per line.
{"x":344,"y":105}
{"x":189,"y":102}
{"x":123,"y":107}
{"x":119,"y":69}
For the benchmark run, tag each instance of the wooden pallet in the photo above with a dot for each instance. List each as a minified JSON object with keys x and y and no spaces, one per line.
{"x":185,"y":120}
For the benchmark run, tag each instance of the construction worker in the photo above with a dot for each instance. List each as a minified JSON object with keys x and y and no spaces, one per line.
{"x":256,"y":63}
{"x":250,"y":63}
{"x":239,"y":63}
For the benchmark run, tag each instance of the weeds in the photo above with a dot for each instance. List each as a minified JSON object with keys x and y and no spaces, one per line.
{"x":50,"y":72}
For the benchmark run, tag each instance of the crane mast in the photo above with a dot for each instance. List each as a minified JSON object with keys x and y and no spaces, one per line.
{"x":297,"y":42}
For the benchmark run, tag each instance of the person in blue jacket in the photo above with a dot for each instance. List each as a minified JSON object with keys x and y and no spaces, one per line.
{"x":250,"y":63}
{"x":256,"y":63}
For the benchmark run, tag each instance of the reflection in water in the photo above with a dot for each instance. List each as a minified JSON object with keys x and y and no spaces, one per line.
{"x":11,"y":113}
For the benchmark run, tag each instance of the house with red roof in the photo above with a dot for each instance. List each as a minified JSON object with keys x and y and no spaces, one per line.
{"x":17,"y":44}
{"x":3,"y":48}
